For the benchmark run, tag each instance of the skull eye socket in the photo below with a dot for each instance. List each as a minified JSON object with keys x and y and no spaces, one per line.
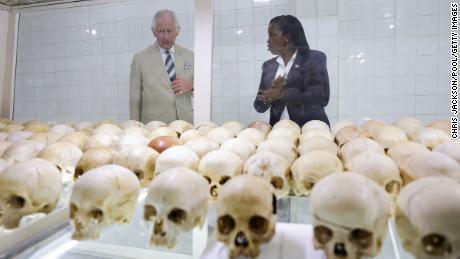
{"x":393,"y":187}
{"x":149,"y":212}
{"x":323,"y":234}
{"x":258,"y":225}
{"x":96,"y":216}
{"x":15,"y":202}
{"x":436,"y":245}
{"x":225,"y":224}
{"x":207,"y":178}
{"x":139,"y":174}
{"x":78,"y":172}
{"x":361,"y":238}
{"x":73,"y":210}
{"x":224,"y":179}
{"x":277,"y":182}
{"x":308,"y":184}
{"x":178,"y":216}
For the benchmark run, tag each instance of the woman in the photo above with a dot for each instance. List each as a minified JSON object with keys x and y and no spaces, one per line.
{"x":294,"y":84}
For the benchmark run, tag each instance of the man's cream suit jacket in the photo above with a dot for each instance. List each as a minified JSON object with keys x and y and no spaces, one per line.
{"x":151,"y":96}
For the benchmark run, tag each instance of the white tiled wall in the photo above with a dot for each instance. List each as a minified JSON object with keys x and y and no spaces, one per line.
{"x":386,"y":58}
{"x":4,"y":16}
{"x":73,"y":63}
{"x":240,"y":48}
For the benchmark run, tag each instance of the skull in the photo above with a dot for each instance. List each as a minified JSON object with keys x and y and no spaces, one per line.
{"x":45,"y":137}
{"x":162,"y":143}
{"x":83,"y":125}
{"x":201,"y":145}
{"x":348,"y":133}
{"x":162,"y":131}
{"x":311,"y":133}
{"x":351,"y":213}
{"x":424,"y":164}
{"x":358,"y":145}
{"x":177,"y":201}
{"x":315,"y":124}
{"x":308,"y":169}
{"x":402,"y":150}
{"x":340,"y":125}
{"x":431,"y":137}
{"x":189,"y":135}
{"x":37,"y":127}
{"x":410,"y":126}
{"x":246,"y":215}
{"x":130,"y":139}
{"x":78,"y":138}
{"x":132,"y":124}
{"x":272,"y":167}
{"x":283,"y":148}
{"x":262,"y":126}
{"x":285,"y":134}
{"x":240,"y":147}
{"x":61,"y":129}
{"x":4,"y":164}
{"x":102,"y":140}
{"x":12,"y":128}
{"x":234,"y":126}
{"x":3,"y":135}
{"x":139,"y":159}
{"x":252,"y":135}
{"x":443,"y":125}
{"x":220,"y":134}
{"x":180,"y":126}
{"x":219,"y":166}
{"x":19,"y":135}
{"x":318,"y":143}
{"x":204,"y":127}
{"x":22,"y":150}
{"x":153,"y":125}
{"x":379,"y":168}
{"x":93,"y":158}
{"x":389,"y":135}
{"x":450,"y":148}
{"x":64,"y":156}
{"x":135,"y":130}
{"x":4,"y":145}
{"x":372,"y":127}
{"x":28,"y":187}
{"x":102,"y":196}
{"x":176,"y":156}
{"x":107,"y":128}
{"x":427,"y":218}
{"x":102,"y":122}
{"x":289,"y":125}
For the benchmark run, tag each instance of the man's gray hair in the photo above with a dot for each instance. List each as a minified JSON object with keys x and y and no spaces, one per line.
{"x":161,"y":13}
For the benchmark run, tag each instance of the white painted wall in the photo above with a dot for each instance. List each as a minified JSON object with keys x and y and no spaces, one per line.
{"x":4,"y":17}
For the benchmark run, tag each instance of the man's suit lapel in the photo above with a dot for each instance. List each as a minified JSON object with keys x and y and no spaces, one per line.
{"x":179,"y":61}
{"x":157,"y":62}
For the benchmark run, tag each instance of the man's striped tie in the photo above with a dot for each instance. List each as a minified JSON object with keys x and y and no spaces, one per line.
{"x":169,"y":63}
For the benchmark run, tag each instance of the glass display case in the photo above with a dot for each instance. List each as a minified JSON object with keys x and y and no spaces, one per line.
{"x":50,"y":237}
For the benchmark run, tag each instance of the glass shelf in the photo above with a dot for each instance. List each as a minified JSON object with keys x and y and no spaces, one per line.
{"x":131,"y":240}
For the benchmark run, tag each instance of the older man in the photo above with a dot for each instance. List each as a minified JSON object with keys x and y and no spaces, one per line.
{"x":161,"y":80}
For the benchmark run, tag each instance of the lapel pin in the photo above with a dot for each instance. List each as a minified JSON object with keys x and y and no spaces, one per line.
{"x":296,"y":66}
{"x":187,"y":66}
